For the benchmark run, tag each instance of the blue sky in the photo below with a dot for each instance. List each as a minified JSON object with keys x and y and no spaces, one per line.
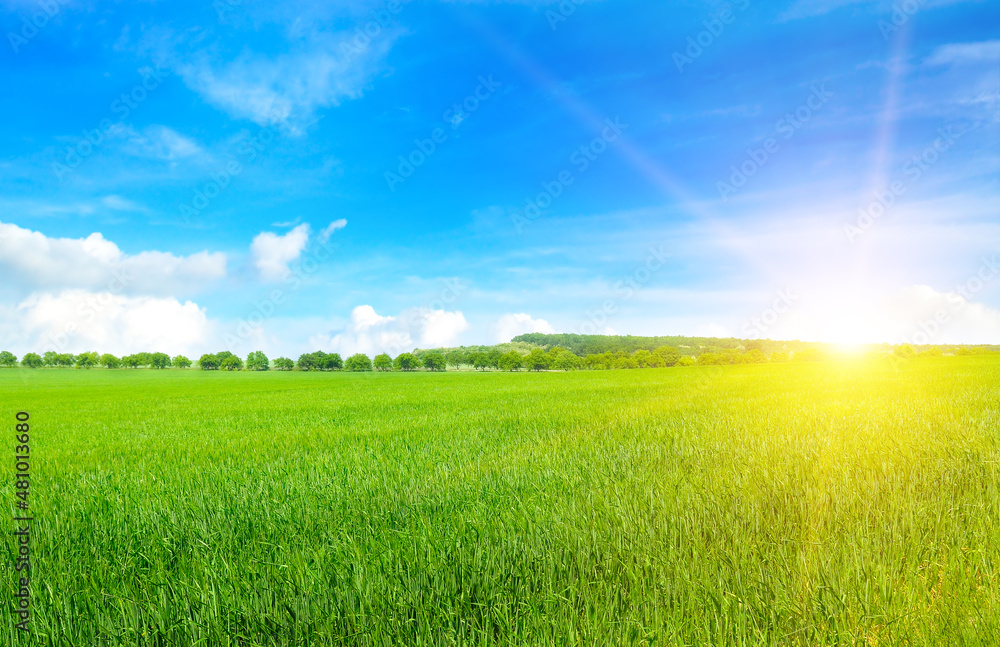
{"x":368,"y":176}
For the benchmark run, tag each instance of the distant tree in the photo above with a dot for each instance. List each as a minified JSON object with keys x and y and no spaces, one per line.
{"x":626,"y":362}
{"x":108,"y":360}
{"x":708,"y":359}
{"x":208,"y":362}
{"x":181,"y":362}
{"x":383,"y":362}
{"x":130,"y":361}
{"x":144,"y":359}
{"x":231,"y":363}
{"x":50,"y":358}
{"x":754,"y":344}
{"x":778,"y":357}
{"x":159,"y":360}
{"x":8,"y":358}
{"x":87,"y":360}
{"x":567,"y":361}
{"x":257,"y":361}
{"x":283,"y":364}
{"x":904,"y":350}
{"x":729,"y":356}
{"x":358,"y":363}
{"x":536,"y":360}
{"x":433,"y":361}
{"x":510,"y":361}
{"x":406,"y":362}
{"x":457,"y":358}
{"x":933,"y":351}
{"x":644,"y":358}
{"x":480,"y":361}
{"x":493,"y":358}
{"x":685,"y":360}
{"x":753,"y":356}
{"x":809,"y":354}
{"x":32,"y":360}
{"x":667,"y":356}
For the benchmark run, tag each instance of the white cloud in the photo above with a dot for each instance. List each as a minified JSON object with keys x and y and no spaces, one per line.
{"x":74,"y":321}
{"x":30,"y":260}
{"x":332,"y":227}
{"x":162,"y":143}
{"x":272,"y":253}
{"x":511,"y":325}
{"x":370,"y":333}
{"x":287,"y":88}
{"x":956,"y":53}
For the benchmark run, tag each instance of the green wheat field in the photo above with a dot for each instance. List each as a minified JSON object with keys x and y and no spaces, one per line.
{"x":827,"y":503}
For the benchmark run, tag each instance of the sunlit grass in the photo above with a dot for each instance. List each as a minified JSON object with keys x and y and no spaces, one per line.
{"x":847,"y":502}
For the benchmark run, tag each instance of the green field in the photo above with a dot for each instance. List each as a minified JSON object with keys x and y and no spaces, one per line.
{"x":797,"y":504}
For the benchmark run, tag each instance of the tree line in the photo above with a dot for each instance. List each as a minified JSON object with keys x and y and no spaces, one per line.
{"x":482,"y":359}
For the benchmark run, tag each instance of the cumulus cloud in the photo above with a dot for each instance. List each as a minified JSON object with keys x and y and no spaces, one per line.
{"x":271,"y":253}
{"x":31,"y":260}
{"x":511,"y":325}
{"x":370,"y":333}
{"x":73,"y":321}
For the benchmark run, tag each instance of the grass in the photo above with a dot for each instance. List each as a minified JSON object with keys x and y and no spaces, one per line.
{"x":800,"y":504}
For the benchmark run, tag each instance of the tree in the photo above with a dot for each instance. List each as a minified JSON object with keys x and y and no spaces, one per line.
{"x":383,"y":362}
{"x":493,"y":358}
{"x":753,"y":356}
{"x":644,"y":359}
{"x":110,"y":361}
{"x":510,"y":361}
{"x":480,"y":361}
{"x":358,"y":363}
{"x":209,"y":362}
{"x":433,"y":361}
{"x":231,"y":363}
{"x":708,"y":359}
{"x":283,"y":364}
{"x":667,"y":356}
{"x":626,"y":362}
{"x":933,"y":351}
{"x":87,"y":360}
{"x":754,"y":344}
{"x":49,"y":358}
{"x":8,"y":358}
{"x":130,"y":361}
{"x":685,"y":360}
{"x":257,"y":361}
{"x":457,"y":358}
{"x":159,"y":360}
{"x":181,"y":362}
{"x":536,"y":360}
{"x":567,"y":361}
{"x":810,"y":354}
{"x":779,"y":357}
{"x":406,"y":362}
{"x":32,"y":360}
{"x":144,"y":359}
{"x":905,"y":351}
